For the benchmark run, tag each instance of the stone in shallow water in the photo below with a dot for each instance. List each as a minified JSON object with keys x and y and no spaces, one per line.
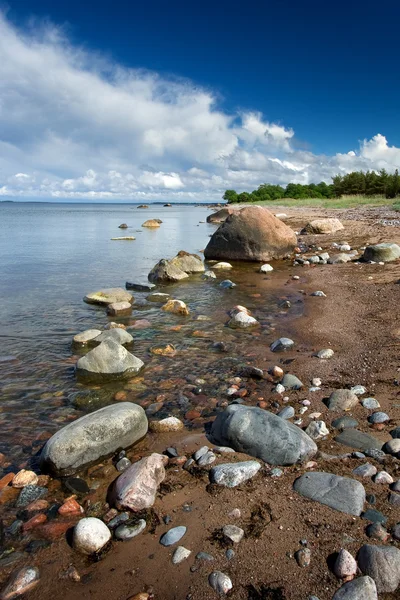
{"x":86,"y":337}
{"x":227,"y":284}
{"x":282,"y":344}
{"x":382,"y":563}
{"x":344,"y":423}
{"x":341,"y":493}
{"x":108,"y":362}
{"x":231,"y":475}
{"x":116,"y":335}
{"x":29,"y":494}
{"x":241,"y":320}
{"x":108,"y":296}
{"x":20,"y":583}
{"x":358,"y":439}
{"x":173,"y":536}
{"x":362,"y":588}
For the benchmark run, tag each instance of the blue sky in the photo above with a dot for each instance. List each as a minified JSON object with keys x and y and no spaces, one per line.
{"x":129,"y":100}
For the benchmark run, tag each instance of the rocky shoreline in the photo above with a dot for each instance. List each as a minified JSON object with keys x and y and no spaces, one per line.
{"x":297,"y":498}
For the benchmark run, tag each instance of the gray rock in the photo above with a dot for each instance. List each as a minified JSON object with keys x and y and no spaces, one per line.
{"x":395,"y":433}
{"x":166,"y":272}
{"x":286,"y":413}
{"x":220,"y":582}
{"x":173,"y":536}
{"x":188,"y":263}
{"x":127,"y":532}
{"x":207,"y":459}
{"x":108,"y":296}
{"x":108,"y":362}
{"x":366,"y":470}
{"x":118,"y":520}
{"x":344,"y":423}
{"x":378,"y":417}
{"x":29,"y":494}
{"x":86,"y":338}
{"x":92,"y":437}
{"x":21,"y":582}
{"x":204,"y":556}
{"x":262,"y":434}
{"x":370,"y":403}
{"x":382,"y":563}
{"x":376,"y":531}
{"x":362,"y":588}
{"x":116,"y":335}
{"x":233,"y":474}
{"x":358,"y":439}
{"x":249,"y":371}
{"x":158,"y":297}
{"x":396,"y":532}
{"x":341,"y":493}
{"x":241,"y":320}
{"x":291,"y":382}
{"x":140,"y":287}
{"x":282,"y":344}
{"x":341,"y":400}
{"x":374,"y":516}
{"x":303,"y":557}
{"x":375,"y":453}
{"x":233,"y":533}
{"x":180,"y":554}
{"x":209,"y":275}
{"x":319,"y":294}
{"x":341,"y":258}
{"x":200,"y":452}
{"x":325,"y":354}
{"x":227,"y":284}
{"x":358,"y":390}
{"x":394,"y":499}
{"x":317,"y":430}
{"x":386,"y":252}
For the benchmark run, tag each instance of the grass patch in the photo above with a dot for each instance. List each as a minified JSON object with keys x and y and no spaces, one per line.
{"x":343,"y":202}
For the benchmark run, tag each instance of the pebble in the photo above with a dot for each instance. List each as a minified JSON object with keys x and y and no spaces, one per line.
{"x":358,"y":390}
{"x":286,"y":413}
{"x":291,"y":382}
{"x":123,"y":464}
{"x":231,"y":475}
{"x":375,"y":453}
{"x":374,"y":516}
{"x":180,"y":554}
{"x":227,"y":284}
{"x":345,"y":566}
{"x":275,"y":472}
{"x":282,"y":344}
{"x":24,"y":478}
{"x":223,"y":450}
{"x":383,"y":477}
{"x":396,"y":486}
{"x":220,"y":582}
{"x":230,"y":554}
{"x":204,"y":556}
{"x":200,"y":452}
{"x":394,"y":499}
{"x":396,"y":532}
{"x":173,"y":536}
{"x":207,"y":459}
{"x":370,"y":403}
{"x":277,"y":371}
{"x":279,"y":388}
{"x":29,"y":494}
{"x":344,"y":423}
{"x":171,"y":452}
{"x":303,"y":557}
{"x":266,"y":268}
{"x":378,"y":417}
{"x":118,"y":520}
{"x":90,"y":535}
{"x":21,"y":582}
{"x":70,"y":573}
{"x":325,"y":354}
{"x":366,"y":470}
{"x":127,"y":532}
{"x":235,"y":513}
{"x":165,"y":425}
{"x":362,"y":588}
{"x":393,"y":447}
{"x":234,"y":533}
{"x":316,"y":382}
{"x":317,"y":430}
{"x":376,"y":531}
{"x":319,"y":294}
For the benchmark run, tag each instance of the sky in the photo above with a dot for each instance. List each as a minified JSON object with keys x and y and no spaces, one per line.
{"x":179,"y":101}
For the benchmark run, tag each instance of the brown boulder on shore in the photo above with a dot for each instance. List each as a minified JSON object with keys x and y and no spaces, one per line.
{"x":152,"y":223}
{"x":323,"y":226}
{"x":220,"y":216}
{"x":252,"y":233}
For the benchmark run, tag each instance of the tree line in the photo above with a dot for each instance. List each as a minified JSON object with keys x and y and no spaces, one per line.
{"x":358,"y":183}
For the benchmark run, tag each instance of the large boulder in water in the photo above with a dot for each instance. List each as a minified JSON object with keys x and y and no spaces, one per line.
{"x":220,"y":216}
{"x":385,"y":252}
{"x":252,"y":233}
{"x":165,"y":272}
{"x":108,"y":362}
{"x":109,"y":296}
{"x":323,"y":226}
{"x":262,"y":434}
{"x":93,"y":437}
{"x":188,"y":263}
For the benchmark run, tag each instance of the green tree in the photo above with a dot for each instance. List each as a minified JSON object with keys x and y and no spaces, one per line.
{"x":231,"y":196}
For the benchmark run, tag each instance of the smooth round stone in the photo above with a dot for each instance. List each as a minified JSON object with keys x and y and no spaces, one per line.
{"x":222,"y":265}
{"x":395,"y":486}
{"x":358,"y":390}
{"x":21,"y":582}
{"x":344,"y":423}
{"x":383,"y":477}
{"x":204,"y":556}
{"x":24,"y":478}
{"x":266,"y":268}
{"x":207,"y":459}
{"x":76,"y":485}
{"x":366,"y":470}
{"x":220,"y":582}
{"x":375,"y":516}
{"x":396,"y":532}
{"x":378,"y":417}
{"x":393,"y":447}
{"x":200,"y":452}
{"x":118,"y":520}
{"x":127,"y":532}
{"x":90,"y":535}
{"x":173,"y":536}
{"x":282,"y":344}
{"x":286,"y":413}
{"x":370,"y":403}
{"x":227,"y":284}
{"x":233,"y":533}
{"x":230,"y":554}
{"x":345,"y":565}
{"x":165,"y":425}
{"x":208,"y":275}
{"x":325,"y":354}
{"x":303,"y":557}
{"x":180,"y":554}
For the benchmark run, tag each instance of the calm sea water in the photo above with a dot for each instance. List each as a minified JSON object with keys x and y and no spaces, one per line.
{"x":52,"y":255}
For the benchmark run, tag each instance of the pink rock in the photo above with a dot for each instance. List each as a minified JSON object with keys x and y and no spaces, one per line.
{"x":136,"y":488}
{"x":345,"y":565}
{"x":141,"y":324}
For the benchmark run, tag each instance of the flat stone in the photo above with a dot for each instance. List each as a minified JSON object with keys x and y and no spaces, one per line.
{"x":204,"y":556}
{"x":321,"y":226}
{"x":227,"y":284}
{"x":233,"y":474}
{"x":291,"y":382}
{"x":233,"y":533}
{"x":108,"y":362}
{"x":340,"y":493}
{"x":375,"y":516}
{"x":319,"y":294}
{"x":358,"y":439}
{"x":108,"y":296}
{"x":93,"y":436}
{"x":167,"y":424}
{"x":119,"y":308}
{"x":382,"y":563}
{"x":116,"y":335}
{"x":344,"y":423}
{"x":376,"y":531}
{"x":86,"y":337}
{"x":173,"y":536}
{"x":206,"y":459}
{"x":158,"y":297}
{"x":366,"y":470}
{"x":140,"y":287}
{"x":341,"y":400}
{"x":370,"y":403}
{"x":180,"y":554}
{"x":127,"y":532}
{"x":362,"y":588}
{"x":29,"y":494}
{"x":200,"y":452}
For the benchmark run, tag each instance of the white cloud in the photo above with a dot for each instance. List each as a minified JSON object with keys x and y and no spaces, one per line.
{"x":75,"y":125}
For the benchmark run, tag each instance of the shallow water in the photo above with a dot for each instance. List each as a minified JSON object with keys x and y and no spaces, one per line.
{"x":53,"y":254}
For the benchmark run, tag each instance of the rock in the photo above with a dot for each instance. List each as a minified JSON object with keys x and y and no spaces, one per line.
{"x":139,"y":287}
{"x":344,"y":423}
{"x":319,"y":294}
{"x":253,"y":234}
{"x":282,"y":344}
{"x":113,"y":325}
{"x":128,"y":238}
{"x":383,"y":477}
{"x":358,"y":439}
{"x":325,"y":354}
{"x":220,"y":582}
{"x":119,"y":309}
{"x":340,"y":493}
{"x":109,"y":361}
{"x":143,"y":206}
{"x":358,"y":390}
{"x":209,"y":275}
{"x":341,"y":400}
{"x":366,"y":470}
{"x":392,"y":447}
{"x":241,"y":320}
{"x":386,"y":252}
{"x":370,"y":403}
{"x":345,"y":566}
{"x":227,"y":284}
{"x":173,"y":536}
{"x":233,"y":474}
{"x":108,"y":296}
{"x":90,"y":535}
{"x":266,"y":268}
{"x":340,"y":259}
{"x":323,"y":226}
{"x":374,"y":516}
{"x":291,"y":382}
{"x":168,"y":424}
{"x":204,"y":556}
{"x":123,"y":226}
{"x":262,"y":434}
{"x":23,"y":478}
{"x":207,"y":459}
{"x":127,"y":532}
{"x":222,"y":265}
{"x":200,"y":452}
{"x":92,"y":437}
{"x":152,"y":223}
{"x":29,"y":494}
{"x":177,"y":307}
{"x":317,"y":430}
{"x":220,"y":216}
{"x":136,"y":488}
{"x":363,"y":588}
{"x":303,"y":557}
{"x":233,"y":533}
{"x":378,"y":417}
{"x":395,"y":433}
{"x":376,"y":531}
{"x":166,"y":272}
{"x":86,"y":338}
{"x":382,"y":563}
{"x":249,"y":371}
{"x":180,"y":554}
{"x":286,"y":413}
{"x":188,"y":263}
{"x":158,"y":297}
{"x":120,"y":336}
{"x":21,"y":582}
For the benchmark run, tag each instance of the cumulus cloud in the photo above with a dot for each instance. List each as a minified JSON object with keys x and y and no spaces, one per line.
{"x":75,"y":125}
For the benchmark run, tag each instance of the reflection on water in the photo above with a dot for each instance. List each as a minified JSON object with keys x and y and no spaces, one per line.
{"x":51,"y":255}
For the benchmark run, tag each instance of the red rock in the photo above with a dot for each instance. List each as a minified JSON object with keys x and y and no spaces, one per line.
{"x":192,"y":414}
{"x":8,"y":494}
{"x":54,"y":530}
{"x":110,"y":515}
{"x":34,"y":522}
{"x":177,"y":461}
{"x":262,"y":404}
{"x":120,"y":396}
{"x":3,"y":459}
{"x":37,"y":506}
{"x":378,"y":426}
{"x":43,"y":480}
{"x":70,"y":507}
{"x":6,"y":480}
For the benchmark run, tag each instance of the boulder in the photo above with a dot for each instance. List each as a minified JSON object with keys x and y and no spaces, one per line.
{"x":362,"y":588}
{"x":120,"y":336}
{"x":177,"y":307}
{"x":90,"y":535}
{"x":93,"y":437}
{"x":188,"y":263}
{"x":323,"y":226}
{"x":165,"y":272}
{"x":119,"y":309}
{"x":108,"y":362}
{"x":151,"y":223}
{"x":262,"y":434}
{"x":220,"y":216}
{"x":386,"y":252}
{"x":86,"y":338}
{"x":136,"y":488}
{"x":123,"y":226}
{"x":341,"y":493}
{"x":358,"y":440}
{"x":108,"y":296}
{"x":251,"y":234}
{"x":382,"y":563}
{"x":341,"y":400}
